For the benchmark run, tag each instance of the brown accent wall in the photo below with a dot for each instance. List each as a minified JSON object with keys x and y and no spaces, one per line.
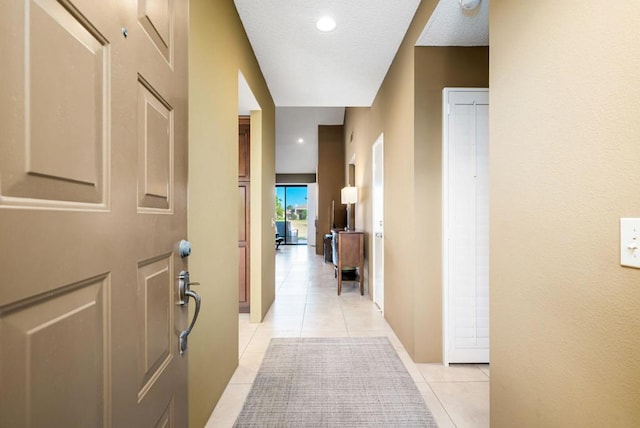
{"x":565,"y":167}
{"x":218,"y":49}
{"x":331,"y":179}
{"x":295,"y":178}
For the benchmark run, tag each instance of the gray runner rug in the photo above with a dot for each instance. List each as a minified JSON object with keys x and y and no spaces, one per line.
{"x":333,"y":382}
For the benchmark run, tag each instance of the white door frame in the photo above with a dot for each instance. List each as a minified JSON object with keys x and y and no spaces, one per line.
{"x":311,"y":213}
{"x":445,"y":213}
{"x":377,"y":289}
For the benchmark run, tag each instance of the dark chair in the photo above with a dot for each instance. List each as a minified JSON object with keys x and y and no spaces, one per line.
{"x":279,"y":240}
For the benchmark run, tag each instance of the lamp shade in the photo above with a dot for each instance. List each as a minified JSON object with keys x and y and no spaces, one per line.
{"x":349,"y":195}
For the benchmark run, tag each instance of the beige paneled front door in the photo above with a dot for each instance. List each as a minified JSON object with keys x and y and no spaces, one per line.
{"x":93,"y":167}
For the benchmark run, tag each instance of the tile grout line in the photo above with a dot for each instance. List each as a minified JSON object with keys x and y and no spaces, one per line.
{"x":441,"y":403}
{"x":344,"y":318}
{"x":248,"y":343}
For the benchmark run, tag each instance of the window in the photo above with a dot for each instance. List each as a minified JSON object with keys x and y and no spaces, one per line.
{"x":291,"y":214}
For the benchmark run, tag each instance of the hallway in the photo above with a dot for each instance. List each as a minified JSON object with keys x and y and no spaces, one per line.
{"x":307,"y":305}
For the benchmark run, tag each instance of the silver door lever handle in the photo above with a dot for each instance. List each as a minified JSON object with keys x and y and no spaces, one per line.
{"x":185,"y":334}
{"x":185,"y":292}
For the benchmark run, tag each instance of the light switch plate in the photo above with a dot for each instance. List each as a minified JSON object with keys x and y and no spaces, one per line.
{"x":630,"y":242}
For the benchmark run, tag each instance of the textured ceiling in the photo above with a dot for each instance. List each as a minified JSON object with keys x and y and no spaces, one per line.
{"x":306,"y":67}
{"x":450,"y":25}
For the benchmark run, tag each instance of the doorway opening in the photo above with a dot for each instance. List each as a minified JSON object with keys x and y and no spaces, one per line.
{"x":378,"y":221}
{"x":292,"y":214}
{"x":249,"y":231}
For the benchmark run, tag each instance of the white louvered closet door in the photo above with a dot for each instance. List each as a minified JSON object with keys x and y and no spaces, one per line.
{"x":467,"y":225}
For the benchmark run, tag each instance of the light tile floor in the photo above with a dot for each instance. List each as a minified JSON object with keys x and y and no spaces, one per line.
{"x":307,"y":305}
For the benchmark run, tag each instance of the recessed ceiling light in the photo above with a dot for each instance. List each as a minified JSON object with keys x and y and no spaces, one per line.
{"x":300,"y":140}
{"x":326,"y":23}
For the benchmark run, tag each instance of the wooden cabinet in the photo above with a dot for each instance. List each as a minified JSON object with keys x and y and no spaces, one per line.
{"x":244,"y":185}
{"x":348,"y":253}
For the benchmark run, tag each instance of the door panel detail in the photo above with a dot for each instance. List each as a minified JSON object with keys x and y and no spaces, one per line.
{"x":243,"y":202}
{"x":244,"y":144}
{"x":57,"y":324}
{"x":156,"y":17}
{"x":166,"y":420}
{"x":62,"y":152}
{"x":88,"y":148}
{"x":242,"y":275}
{"x":155,"y":150}
{"x":244,"y":213}
{"x":244,"y":291}
{"x":156,"y":303}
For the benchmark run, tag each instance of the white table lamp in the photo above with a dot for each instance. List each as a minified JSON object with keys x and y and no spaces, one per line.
{"x":348,"y":196}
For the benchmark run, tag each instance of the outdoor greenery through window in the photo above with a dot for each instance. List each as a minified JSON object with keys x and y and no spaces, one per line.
{"x":291,"y":213}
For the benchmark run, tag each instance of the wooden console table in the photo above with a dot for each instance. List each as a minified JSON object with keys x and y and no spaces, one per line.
{"x":348,"y":251}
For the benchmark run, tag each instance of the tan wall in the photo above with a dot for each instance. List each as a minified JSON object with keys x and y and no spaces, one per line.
{"x":262,"y":215}
{"x":408,"y":111}
{"x":436,"y":68}
{"x":358,"y":124}
{"x":218,"y":49}
{"x":392,"y":113}
{"x":358,"y":140}
{"x":565,"y":167}
{"x":331,"y":179}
